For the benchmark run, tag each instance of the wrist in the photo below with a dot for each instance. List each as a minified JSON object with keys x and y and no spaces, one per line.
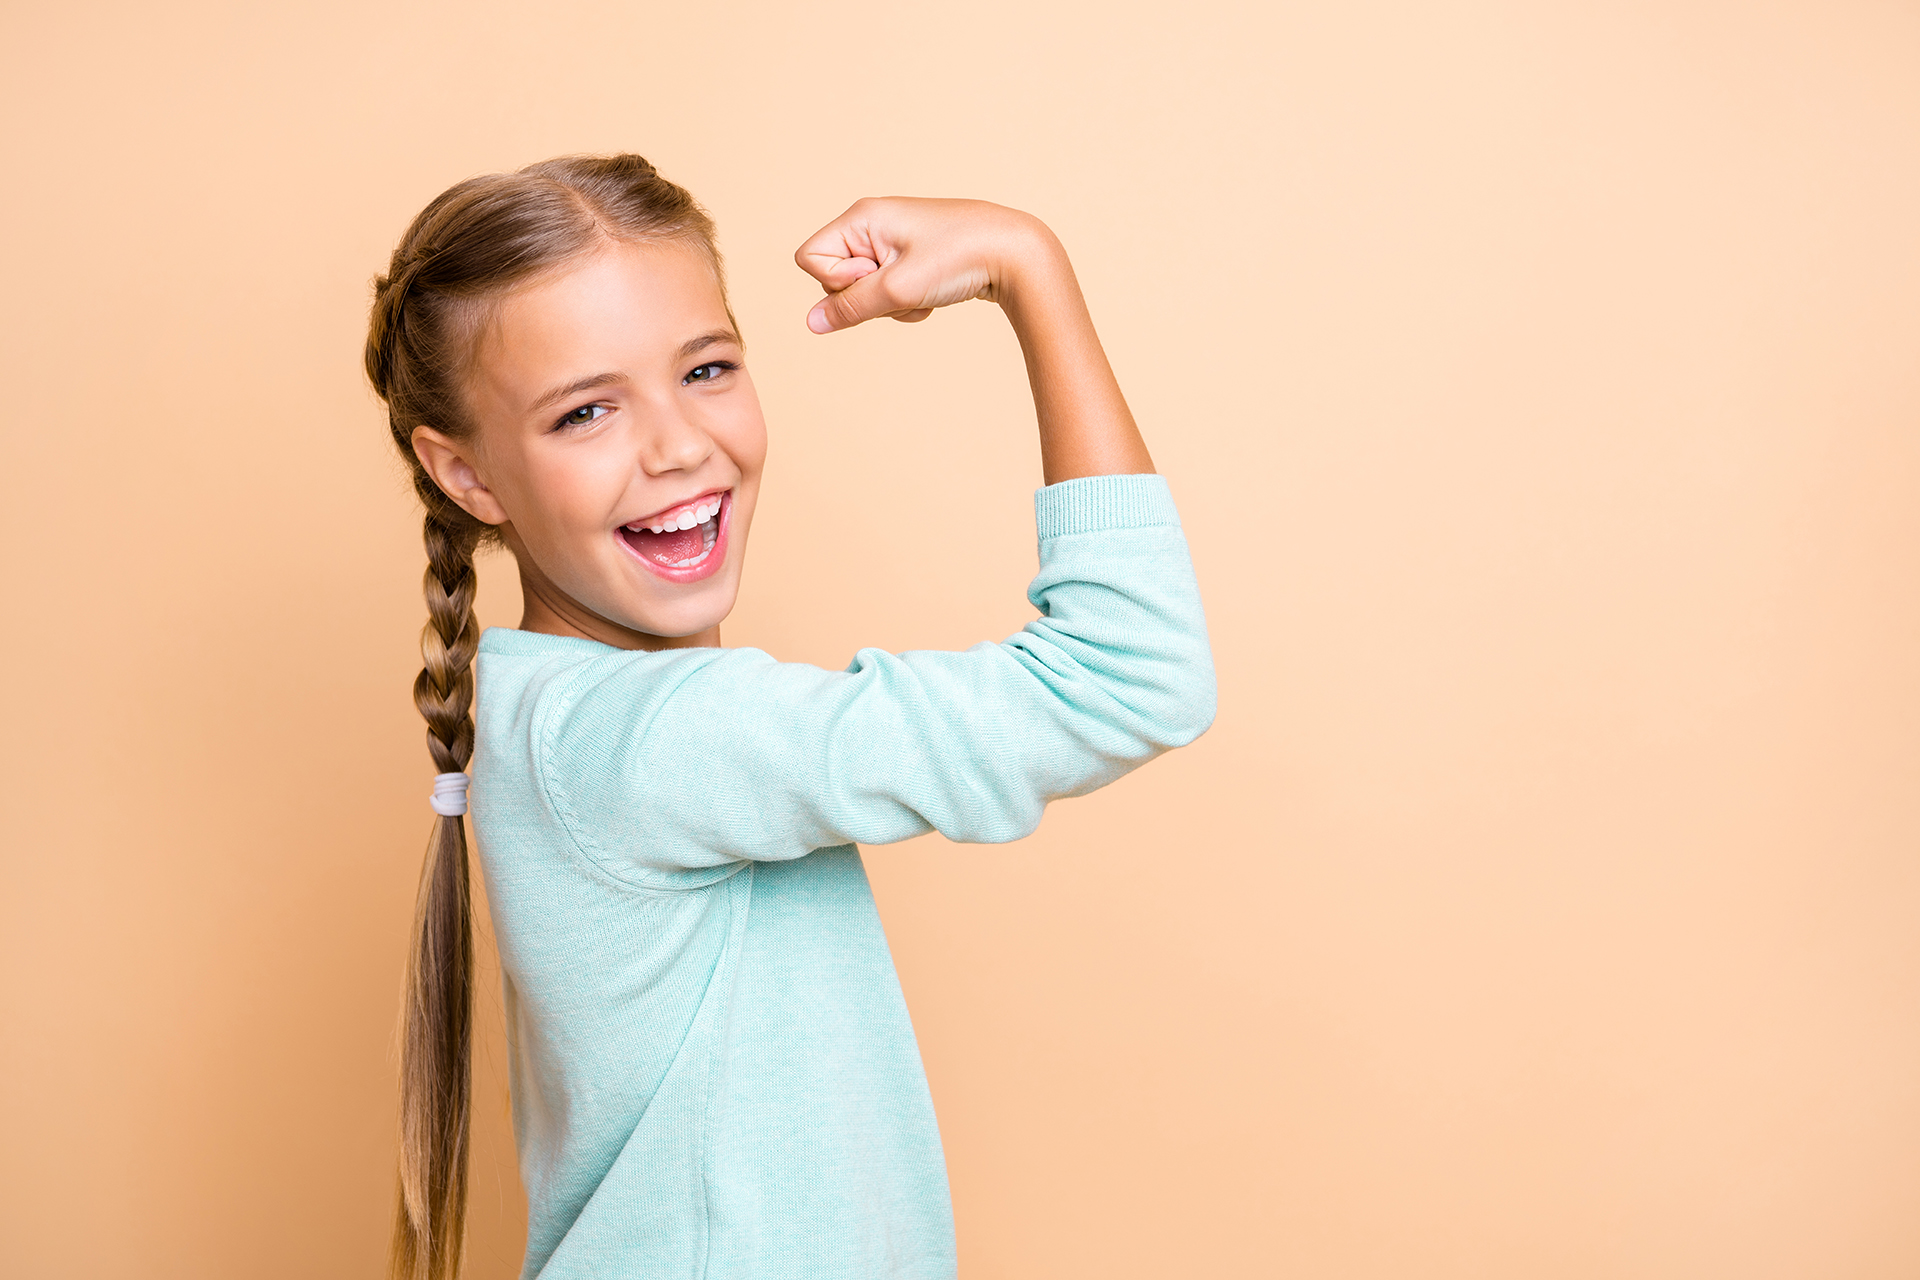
{"x":1031,"y":263}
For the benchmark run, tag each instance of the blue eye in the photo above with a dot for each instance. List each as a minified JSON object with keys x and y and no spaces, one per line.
{"x":582,"y":416}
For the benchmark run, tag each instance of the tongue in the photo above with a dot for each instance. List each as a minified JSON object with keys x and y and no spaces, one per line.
{"x":667,"y":548}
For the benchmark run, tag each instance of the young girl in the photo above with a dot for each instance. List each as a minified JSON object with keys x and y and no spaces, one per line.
{"x":712,"y":1069}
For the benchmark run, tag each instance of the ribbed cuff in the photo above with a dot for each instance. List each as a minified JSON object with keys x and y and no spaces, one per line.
{"x":1094,"y":503}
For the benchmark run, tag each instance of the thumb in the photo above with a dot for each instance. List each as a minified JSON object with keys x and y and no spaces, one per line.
{"x":864,"y":299}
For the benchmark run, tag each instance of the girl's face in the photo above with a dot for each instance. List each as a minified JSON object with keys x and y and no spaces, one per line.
{"x":619,"y":447}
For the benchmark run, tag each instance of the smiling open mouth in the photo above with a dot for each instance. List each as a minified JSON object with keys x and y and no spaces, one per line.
{"x":678,"y":539}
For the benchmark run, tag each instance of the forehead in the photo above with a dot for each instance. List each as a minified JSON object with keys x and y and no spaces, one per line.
{"x":628,"y":307}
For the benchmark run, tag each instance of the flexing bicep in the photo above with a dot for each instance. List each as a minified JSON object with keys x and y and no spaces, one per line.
{"x":749,"y":758}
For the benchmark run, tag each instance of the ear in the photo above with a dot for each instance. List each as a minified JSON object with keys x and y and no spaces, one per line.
{"x":450,"y":464}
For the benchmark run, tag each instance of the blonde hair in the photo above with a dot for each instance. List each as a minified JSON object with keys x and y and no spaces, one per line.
{"x":473,"y":243}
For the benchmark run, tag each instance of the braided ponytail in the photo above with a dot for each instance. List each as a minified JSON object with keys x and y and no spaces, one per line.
{"x":473,"y":243}
{"x":435,"y":1055}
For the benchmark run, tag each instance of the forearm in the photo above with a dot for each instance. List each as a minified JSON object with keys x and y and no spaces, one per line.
{"x":1086,"y":428}
{"x":905,"y":257}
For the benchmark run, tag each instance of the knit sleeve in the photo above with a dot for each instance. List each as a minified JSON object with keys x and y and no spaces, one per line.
{"x":704,"y":757}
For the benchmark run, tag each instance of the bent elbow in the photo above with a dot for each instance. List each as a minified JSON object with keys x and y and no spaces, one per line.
{"x":1188,"y":698}
{"x":1175,"y":708}
{"x":1000,"y":829}
{"x":1194,"y":709}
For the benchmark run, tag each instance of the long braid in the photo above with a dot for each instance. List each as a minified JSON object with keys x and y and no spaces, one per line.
{"x":435,"y":1079}
{"x":444,"y":688}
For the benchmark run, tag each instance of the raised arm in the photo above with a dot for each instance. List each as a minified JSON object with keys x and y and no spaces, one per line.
{"x":668,"y":763}
{"x":903,"y":257}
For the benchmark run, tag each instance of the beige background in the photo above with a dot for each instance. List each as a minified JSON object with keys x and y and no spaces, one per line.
{"x":1540,"y":383}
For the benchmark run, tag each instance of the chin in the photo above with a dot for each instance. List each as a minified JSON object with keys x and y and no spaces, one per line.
{"x":681,"y":620}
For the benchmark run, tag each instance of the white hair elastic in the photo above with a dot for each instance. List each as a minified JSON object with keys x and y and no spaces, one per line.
{"x":449,"y":798}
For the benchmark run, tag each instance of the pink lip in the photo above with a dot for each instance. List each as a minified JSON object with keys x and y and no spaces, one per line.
{"x":708,"y":566}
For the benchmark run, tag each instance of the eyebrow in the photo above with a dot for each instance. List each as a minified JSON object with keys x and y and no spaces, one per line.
{"x":574,"y":388}
{"x":688,"y":349}
{"x":712,"y":338}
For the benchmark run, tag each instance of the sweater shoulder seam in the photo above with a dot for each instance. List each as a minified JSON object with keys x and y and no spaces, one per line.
{"x":547,"y":718}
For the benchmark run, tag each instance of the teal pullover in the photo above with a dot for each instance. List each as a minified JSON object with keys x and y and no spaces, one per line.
{"x":712,"y":1068}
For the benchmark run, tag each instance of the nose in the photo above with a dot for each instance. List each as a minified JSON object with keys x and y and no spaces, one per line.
{"x":673,"y":443}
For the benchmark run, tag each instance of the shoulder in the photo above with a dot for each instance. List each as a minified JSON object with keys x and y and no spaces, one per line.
{"x":527,"y":667}
{"x":556,"y":689}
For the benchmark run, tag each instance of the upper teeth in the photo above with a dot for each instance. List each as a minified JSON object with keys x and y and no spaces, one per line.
{"x":685,"y":518}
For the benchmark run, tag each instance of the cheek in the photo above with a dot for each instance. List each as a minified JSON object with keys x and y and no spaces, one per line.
{"x":745,"y":439}
{"x":563,"y":493}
